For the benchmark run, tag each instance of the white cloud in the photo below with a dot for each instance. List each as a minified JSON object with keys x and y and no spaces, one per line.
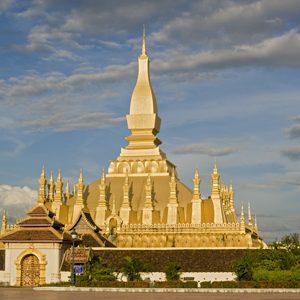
{"x":214,"y":24}
{"x":282,"y":51}
{"x":292,"y":153}
{"x":204,"y":149}
{"x":16,"y":200}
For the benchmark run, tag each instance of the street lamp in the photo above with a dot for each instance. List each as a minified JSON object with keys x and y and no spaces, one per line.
{"x":74,"y":237}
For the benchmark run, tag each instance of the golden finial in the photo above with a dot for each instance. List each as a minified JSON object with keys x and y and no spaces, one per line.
{"x":43,"y":172}
{"x":196,"y":173}
{"x":144,"y":52}
{"x":249,"y":216}
{"x":242,"y":218}
{"x":80,"y":176}
{"x":103,"y":175}
{"x":59,"y":176}
{"x":74,"y":189}
{"x":67,"y":190}
{"x":196,"y":182}
{"x":51,"y":180}
{"x":80,"y":189}
{"x":215,"y":167}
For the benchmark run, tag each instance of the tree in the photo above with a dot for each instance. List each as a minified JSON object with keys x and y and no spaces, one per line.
{"x":243,"y":267}
{"x":131,"y":268}
{"x":291,"y":242}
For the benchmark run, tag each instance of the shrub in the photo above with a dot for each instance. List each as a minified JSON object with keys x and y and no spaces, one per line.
{"x":173,"y":271}
{"x":96,"y":270}
{"x":243,"y":267}
{"x":175,"y":284}
{"x":206,"y":284}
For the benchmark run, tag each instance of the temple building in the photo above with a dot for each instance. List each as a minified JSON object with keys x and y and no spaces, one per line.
{"x":139,"y":202}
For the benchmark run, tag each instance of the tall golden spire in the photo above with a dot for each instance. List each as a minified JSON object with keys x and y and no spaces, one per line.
{"x":67,"y":190}
{"x":249,"y":216}
{"x":58,"y":191}
{"x":42,"y":187}
{"x":144,"y":50}
{"x":143,"y":119}
{"x":102,"y":200}
{"x":215,"y":180}
{"x":242,"y":218}
{"x":196,"y":182}
{"x":173,"y":189}
{"x":51,"y":188}
{"x":80,"y":189}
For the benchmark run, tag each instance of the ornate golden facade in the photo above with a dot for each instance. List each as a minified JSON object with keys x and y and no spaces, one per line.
{"x":141,"y":202}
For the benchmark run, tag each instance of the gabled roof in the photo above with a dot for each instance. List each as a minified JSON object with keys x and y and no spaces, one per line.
{"x":39,"y":225}
{"x":39,"y":211}
{"x":35,"y":235}
{"x":86,"y":216}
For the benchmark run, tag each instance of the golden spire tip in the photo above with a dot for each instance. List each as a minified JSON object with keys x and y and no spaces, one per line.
{"x":144,"y":52}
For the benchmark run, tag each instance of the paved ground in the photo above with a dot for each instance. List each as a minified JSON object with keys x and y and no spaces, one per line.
{"x":29,"y":294}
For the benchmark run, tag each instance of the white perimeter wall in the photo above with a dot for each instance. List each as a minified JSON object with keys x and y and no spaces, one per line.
{"x":52,"y":252}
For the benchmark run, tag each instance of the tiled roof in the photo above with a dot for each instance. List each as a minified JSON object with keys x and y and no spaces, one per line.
{"x":32,"y":235}
{"x":35,"y":222}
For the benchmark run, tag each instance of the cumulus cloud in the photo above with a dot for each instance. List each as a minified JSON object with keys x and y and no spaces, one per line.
{"x":103,"y":18}
{"x":280,"y":51}
{"x":294,"y":131}
{"x":16,"y":200}
{"x":59,"y":102}
{"x":292,"y":153}
{"x":214,"y":24}
{"x":59,"y":122}
{"x":203,"y":149}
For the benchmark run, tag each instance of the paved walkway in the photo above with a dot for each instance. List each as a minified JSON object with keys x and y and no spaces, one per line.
{"x":29,"y":294}
{"x":168,"y":290}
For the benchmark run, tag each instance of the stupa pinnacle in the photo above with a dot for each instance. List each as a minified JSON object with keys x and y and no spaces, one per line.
{"x":142,"y":155}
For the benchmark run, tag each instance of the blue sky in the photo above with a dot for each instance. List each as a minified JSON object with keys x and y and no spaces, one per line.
{"x":226,"y":75}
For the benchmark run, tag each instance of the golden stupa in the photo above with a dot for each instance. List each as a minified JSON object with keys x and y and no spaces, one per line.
{"x":141,"y":202}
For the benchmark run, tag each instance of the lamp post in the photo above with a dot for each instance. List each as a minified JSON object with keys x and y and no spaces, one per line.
{"x":74,"y":237}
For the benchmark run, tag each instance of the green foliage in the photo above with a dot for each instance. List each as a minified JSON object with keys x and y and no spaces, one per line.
{"x":95,"y":271}
{"x":173,"y":271}
{"x":131,"y":268}
{"x":291,"y":241}
{"x":267,"y":265}
{"x":243,"y":267}
{"x":175,"y":284}
{"x":251,"y":284}
{"x":276,"y":275}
